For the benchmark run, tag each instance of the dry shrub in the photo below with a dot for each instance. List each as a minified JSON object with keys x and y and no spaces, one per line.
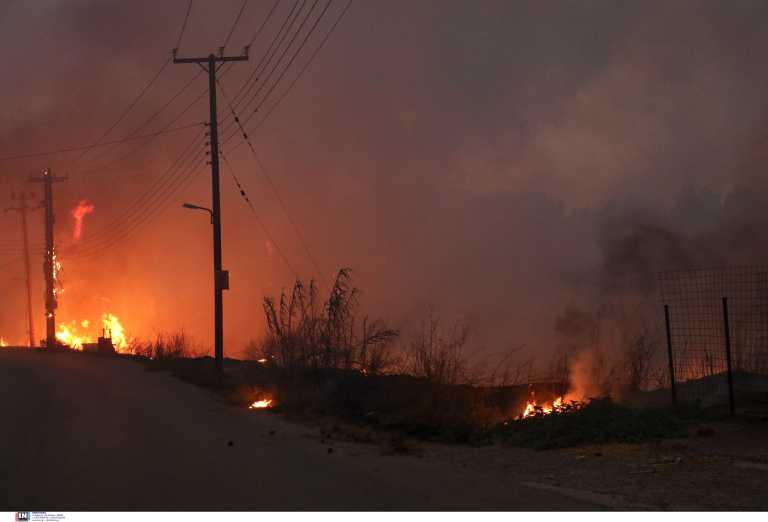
{"x":639,"y":364}
{"x":437,"y":357}
{"x":302,"y":333}
{"x":166,"y":346}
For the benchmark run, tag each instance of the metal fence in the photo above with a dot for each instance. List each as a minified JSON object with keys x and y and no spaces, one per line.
{"x":717,"y":333}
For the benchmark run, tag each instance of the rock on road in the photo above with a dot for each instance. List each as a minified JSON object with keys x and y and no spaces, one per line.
{"x":86,"y":432}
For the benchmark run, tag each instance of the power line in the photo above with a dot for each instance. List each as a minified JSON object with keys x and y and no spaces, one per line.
{"x":142,"y":145}
{"x":276,"y":192}
{"x":130,"y":106}
{"x":263,"y":226}
{"x":154,"y":206}
{"x":94,"y":145}
{"x":277,"y":41}
{"x":183,"y":26}
{"x":304,"y":67}
{"x":234,"y":25}
{"x":290,"y":62}
{"x":287,"y":67}
{"x":264,"y":23}
{"x":144,"y":203}
{"x":152,"y":117}
{"x":144,"y":90}
{"x":280,"y":59}
{"x":269,"y":49}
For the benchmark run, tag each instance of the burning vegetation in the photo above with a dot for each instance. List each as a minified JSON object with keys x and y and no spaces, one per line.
{"x":70,"y":334}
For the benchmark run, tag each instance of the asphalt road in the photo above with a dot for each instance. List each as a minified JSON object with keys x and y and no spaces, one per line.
{"x":85,"y":432}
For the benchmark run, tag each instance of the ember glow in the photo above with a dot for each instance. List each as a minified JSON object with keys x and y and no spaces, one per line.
{"x":261,"y":404}
{"x":79,"y":212}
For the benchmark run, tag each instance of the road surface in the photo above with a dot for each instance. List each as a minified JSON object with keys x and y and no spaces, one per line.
{"x":86,"y":432}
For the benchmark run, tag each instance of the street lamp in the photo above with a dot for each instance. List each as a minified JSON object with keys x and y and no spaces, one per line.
{"x":220,"y":282}
{"x":196,"y":207}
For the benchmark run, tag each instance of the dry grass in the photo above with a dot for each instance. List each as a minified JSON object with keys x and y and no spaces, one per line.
{"x":165,"y":346}
{"x":302,"y":333}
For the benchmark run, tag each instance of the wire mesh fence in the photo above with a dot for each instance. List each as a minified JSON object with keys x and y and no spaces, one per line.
{"x":710,"y":363}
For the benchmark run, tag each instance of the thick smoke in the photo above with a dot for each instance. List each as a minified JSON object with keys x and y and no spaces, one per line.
{"x":502,"y":161}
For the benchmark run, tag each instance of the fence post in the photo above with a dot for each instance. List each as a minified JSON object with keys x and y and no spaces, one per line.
{"x":669,"y":353}
{"x":726,"y":322}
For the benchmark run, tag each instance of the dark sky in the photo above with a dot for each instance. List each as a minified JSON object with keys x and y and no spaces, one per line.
{"x":484,"y":160}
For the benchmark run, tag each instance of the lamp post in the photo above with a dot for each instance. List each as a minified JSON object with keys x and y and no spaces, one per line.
{"x":197,"y":207}
{"x":221,"y":281}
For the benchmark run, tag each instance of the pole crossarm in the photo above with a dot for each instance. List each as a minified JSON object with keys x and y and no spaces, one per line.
{"x":215,"y":59}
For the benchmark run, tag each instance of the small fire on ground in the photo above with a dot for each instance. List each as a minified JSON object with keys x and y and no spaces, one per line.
{"x":261,"y":404}
{"x":532,"y":408}
{"x":3,"y":344}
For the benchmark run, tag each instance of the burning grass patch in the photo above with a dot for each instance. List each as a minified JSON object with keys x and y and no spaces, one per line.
{"x":599,"y":421}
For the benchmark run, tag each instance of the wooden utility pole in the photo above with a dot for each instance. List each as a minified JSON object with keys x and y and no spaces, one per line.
{"x":49,"y":262}
{"x":22,"y":209}
{"x":220,"y":277}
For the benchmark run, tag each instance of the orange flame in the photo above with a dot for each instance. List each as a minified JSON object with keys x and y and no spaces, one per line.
{"x":261,"y":404}
{"x":83,"y":209}
{"x":69,"y":334}
{"x":3,"y":344}
{"x":532,"y":408}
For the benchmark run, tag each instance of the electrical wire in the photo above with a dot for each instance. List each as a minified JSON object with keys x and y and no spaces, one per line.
{"x":144,"y":203}
{"x":286,"y":68}
{"x":277,"y":41}
{"x":276,"y":192}
{"x":234,"y":25}
{"x":290,"y":62}
{"x":94,"y":145}
{"x":264,"y":23}
{"x":304,"y":68}
{"x":269,"y":75}
{"x":183,"y":26}
{"x":261,"y":223}
{"x":156,"y":205}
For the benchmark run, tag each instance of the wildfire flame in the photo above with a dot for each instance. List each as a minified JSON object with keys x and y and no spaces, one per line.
{"x":57,"y":286}
{"x":260,"y":404}
{"x":67,"y":334}
{"x":79,"y":212}
{"x":112,"y":328}
{"x":532,"y":408}
{"x":3,"y":344}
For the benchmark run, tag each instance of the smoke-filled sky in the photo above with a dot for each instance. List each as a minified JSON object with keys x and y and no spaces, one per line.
{"x":494,"y":161}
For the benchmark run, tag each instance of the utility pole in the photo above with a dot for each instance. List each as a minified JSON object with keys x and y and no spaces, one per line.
{"x":49,"y":263}
{"x":22,"y":209}
{"x":220,"y":277}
